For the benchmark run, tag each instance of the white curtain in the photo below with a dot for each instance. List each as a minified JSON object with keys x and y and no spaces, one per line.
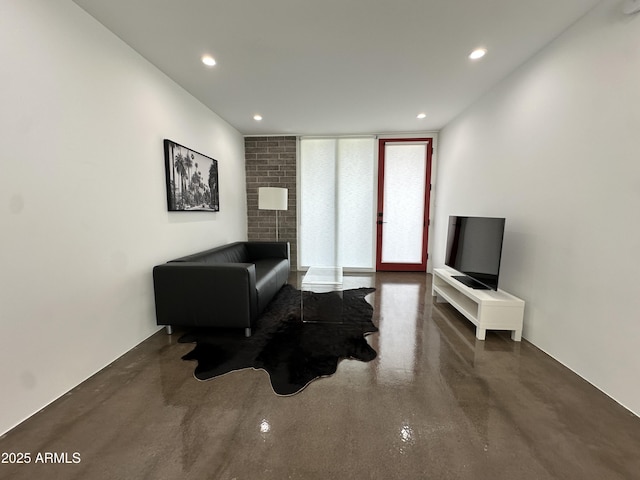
{"x":337,"y":178}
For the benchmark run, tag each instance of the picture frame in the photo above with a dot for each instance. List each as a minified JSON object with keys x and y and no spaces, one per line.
{"x":191,"y":179}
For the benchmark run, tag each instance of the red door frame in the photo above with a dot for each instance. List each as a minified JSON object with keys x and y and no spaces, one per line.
{"x":402,"y":267}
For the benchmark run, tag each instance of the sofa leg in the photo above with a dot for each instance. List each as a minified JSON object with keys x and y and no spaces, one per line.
{"x":247,"y":332}
{"x":169,"y":329}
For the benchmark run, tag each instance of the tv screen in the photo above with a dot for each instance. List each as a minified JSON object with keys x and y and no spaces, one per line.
{"x":474,"y":248}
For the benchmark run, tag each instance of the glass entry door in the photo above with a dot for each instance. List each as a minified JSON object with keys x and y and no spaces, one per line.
{"x":404,"y":171}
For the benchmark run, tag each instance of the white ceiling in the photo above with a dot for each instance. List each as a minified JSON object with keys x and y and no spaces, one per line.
{"x":336,"y":66}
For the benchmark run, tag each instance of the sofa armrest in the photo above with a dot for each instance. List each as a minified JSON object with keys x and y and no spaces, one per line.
{"x":200,"y":294}
{"x":260,"y":250}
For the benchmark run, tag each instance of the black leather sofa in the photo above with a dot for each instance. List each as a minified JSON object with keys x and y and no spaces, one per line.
{"x":227,"y":286}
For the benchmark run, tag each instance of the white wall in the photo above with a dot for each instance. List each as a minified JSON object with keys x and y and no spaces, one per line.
{"x":84,"y":215}
{"x":554,"y":148}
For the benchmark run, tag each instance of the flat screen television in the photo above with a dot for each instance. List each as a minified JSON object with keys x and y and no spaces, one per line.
{"x":474,"y":248}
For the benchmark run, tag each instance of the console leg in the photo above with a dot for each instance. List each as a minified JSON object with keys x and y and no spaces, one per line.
{"x":481,"y":333}
{"x":169,"y":329}
{"x":516,"y":335}
{"x":247,"y":332}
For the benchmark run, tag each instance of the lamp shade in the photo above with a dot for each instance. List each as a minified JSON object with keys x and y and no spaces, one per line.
{"x":272,"y":198}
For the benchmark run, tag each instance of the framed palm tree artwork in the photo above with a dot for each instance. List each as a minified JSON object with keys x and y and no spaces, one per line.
{"x":192,"y":180}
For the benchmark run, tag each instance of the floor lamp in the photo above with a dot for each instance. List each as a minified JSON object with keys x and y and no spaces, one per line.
{"x":272,"y":198}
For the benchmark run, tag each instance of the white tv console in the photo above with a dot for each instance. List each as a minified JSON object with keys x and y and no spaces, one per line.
{"x":487,"y":309}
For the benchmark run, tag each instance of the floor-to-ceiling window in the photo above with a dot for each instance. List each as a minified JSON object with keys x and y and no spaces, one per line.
{"x":337,"y":181}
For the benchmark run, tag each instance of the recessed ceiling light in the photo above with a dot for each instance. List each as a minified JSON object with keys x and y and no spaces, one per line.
{"x":478,"y":53}
{"x":421,"y":116}
{"x":208,"y":60}
{"x":257,"y":117}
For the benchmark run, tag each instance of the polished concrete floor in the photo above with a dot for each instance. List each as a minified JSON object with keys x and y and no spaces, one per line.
{"x":435,"y":404}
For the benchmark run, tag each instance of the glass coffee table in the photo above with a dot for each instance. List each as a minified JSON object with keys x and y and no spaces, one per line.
{"x":321,"y":295}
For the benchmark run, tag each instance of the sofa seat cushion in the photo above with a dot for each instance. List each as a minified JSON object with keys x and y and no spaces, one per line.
{"x":271,"y":274}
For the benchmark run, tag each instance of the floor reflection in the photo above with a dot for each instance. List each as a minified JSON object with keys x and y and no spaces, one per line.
{"x":399,"y":313}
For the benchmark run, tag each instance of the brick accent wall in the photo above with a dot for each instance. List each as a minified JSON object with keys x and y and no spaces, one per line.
{"x":271,"y":162}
